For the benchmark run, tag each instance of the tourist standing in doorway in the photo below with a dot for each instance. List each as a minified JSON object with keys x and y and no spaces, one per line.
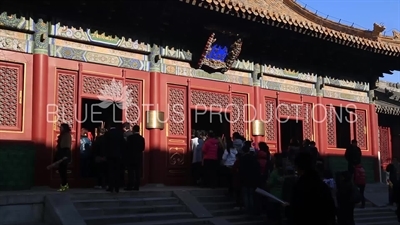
{"x":228,"y":160}
{"x":126,"y":127}
{"x":134,"y":154}
{"x":293,"y":150}
{"x":237,"y":141}
{"x":353,"y":156}
{"x":99,"y":150}
{"x":85,"y":154}
{"x":115,"y":145}
{"x":210,"y":160}
{"x":63,"y":152}
{"x":196,"y":145}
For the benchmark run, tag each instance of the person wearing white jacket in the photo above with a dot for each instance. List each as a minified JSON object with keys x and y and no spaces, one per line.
{"x":228,"y":159}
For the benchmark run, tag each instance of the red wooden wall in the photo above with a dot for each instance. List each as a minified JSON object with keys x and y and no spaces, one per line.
{"x":70,"y":81}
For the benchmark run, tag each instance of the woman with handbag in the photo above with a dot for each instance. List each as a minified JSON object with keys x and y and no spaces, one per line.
{"x":63,"y":152}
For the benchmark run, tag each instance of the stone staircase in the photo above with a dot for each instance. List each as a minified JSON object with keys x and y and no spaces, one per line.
{"x":375,"y":216}
{"x":134,"y":208}
{"x":222,"y":206}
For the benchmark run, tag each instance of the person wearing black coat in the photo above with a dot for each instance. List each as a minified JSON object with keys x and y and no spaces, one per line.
{"x":311,"y":201}
{"x":115,"y":145}
{"x":64,"y":143}
{"x":353,"y":156}
{"x":392,"y":170}
{"x":134,"y":158}
{"x":99,"y":150}
{"x":249,"y":175}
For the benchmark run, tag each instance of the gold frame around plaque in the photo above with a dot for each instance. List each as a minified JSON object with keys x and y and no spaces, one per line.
{"x":154,"y":119}
{"x":258,"y":128}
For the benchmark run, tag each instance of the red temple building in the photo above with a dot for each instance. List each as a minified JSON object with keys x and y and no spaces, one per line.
{"x":174,"y":57}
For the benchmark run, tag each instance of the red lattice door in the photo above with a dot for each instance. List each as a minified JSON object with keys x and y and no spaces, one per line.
{"x":331,"y":126}
{"x":385,"y":145}
{"x":239,"y":114}
{"x":66,"y":102}
{"x":11,"y":96}
{"x":361,"y":128}
{"x":177,"y":133}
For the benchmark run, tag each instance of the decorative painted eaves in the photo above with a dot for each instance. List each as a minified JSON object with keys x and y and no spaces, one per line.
{"x":293,"y":16}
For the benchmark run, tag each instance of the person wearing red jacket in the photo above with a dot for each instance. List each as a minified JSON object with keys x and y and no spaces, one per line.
{"x":210,"y":160}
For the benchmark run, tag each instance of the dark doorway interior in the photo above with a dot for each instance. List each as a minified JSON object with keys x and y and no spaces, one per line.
{"x":92,"y":115}
{"x":343,"y":124}
{"x":290,"y":129}
{"x":205,"y":120}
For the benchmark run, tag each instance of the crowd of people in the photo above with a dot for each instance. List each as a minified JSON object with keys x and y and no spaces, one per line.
{"x":298,"y":176}
{"x":309,"y":192}
{"x":106,"y":156}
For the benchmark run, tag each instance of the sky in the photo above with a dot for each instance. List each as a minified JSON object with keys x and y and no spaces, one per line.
{"x":363,"y":13}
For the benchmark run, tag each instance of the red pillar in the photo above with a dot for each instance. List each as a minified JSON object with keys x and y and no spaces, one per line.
{"x":258,"y":107}
{"x":373,"y":130}
{"x":257,"y":103}
{"x":39,"y":106}
{"x":157,"y":155}
{"x":320,"y":120}
{"x":320,"y":117}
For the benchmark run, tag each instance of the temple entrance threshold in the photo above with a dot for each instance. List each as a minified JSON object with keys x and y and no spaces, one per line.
{"x":207,"y":120}
{"x":290,"y":129}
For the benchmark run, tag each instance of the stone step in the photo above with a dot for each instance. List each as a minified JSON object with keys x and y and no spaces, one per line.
{"x":372,"y":214}
{"x":34,"y":223}
{"x":121,"y":202}
{"x":226,"y":212}
{"x":85,"y":212}
{"x":375,"y":216}
{"x":393,"y":222}
{"x":261,"y":222}
{"x":171,"y":222}
{"x":125,"y":194}
{"x":214,"y":199}
{"x":371,"y":209}
{"x":208,"y":192}
{"x":244,"y":219}
{"x":219,"y":205}
{"x":375,"y":219}
{"x":147,"y":217}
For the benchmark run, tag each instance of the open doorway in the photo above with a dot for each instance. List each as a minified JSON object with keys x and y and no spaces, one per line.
{"x":206,"y":120}
{"x":290,"y":129}
{"x":92,"y":115}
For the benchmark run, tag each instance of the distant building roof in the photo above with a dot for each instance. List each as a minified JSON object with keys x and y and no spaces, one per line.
{"x":388,"y":98}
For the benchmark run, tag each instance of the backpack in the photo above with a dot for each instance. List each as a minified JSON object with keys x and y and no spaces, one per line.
{"x":359,"y":175}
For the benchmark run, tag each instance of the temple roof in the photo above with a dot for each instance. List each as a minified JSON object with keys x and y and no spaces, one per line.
{"x":388,"y":98}
{"x":291,"y":15}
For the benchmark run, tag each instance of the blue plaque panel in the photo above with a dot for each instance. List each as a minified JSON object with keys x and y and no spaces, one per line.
{"x":219,"y":55}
